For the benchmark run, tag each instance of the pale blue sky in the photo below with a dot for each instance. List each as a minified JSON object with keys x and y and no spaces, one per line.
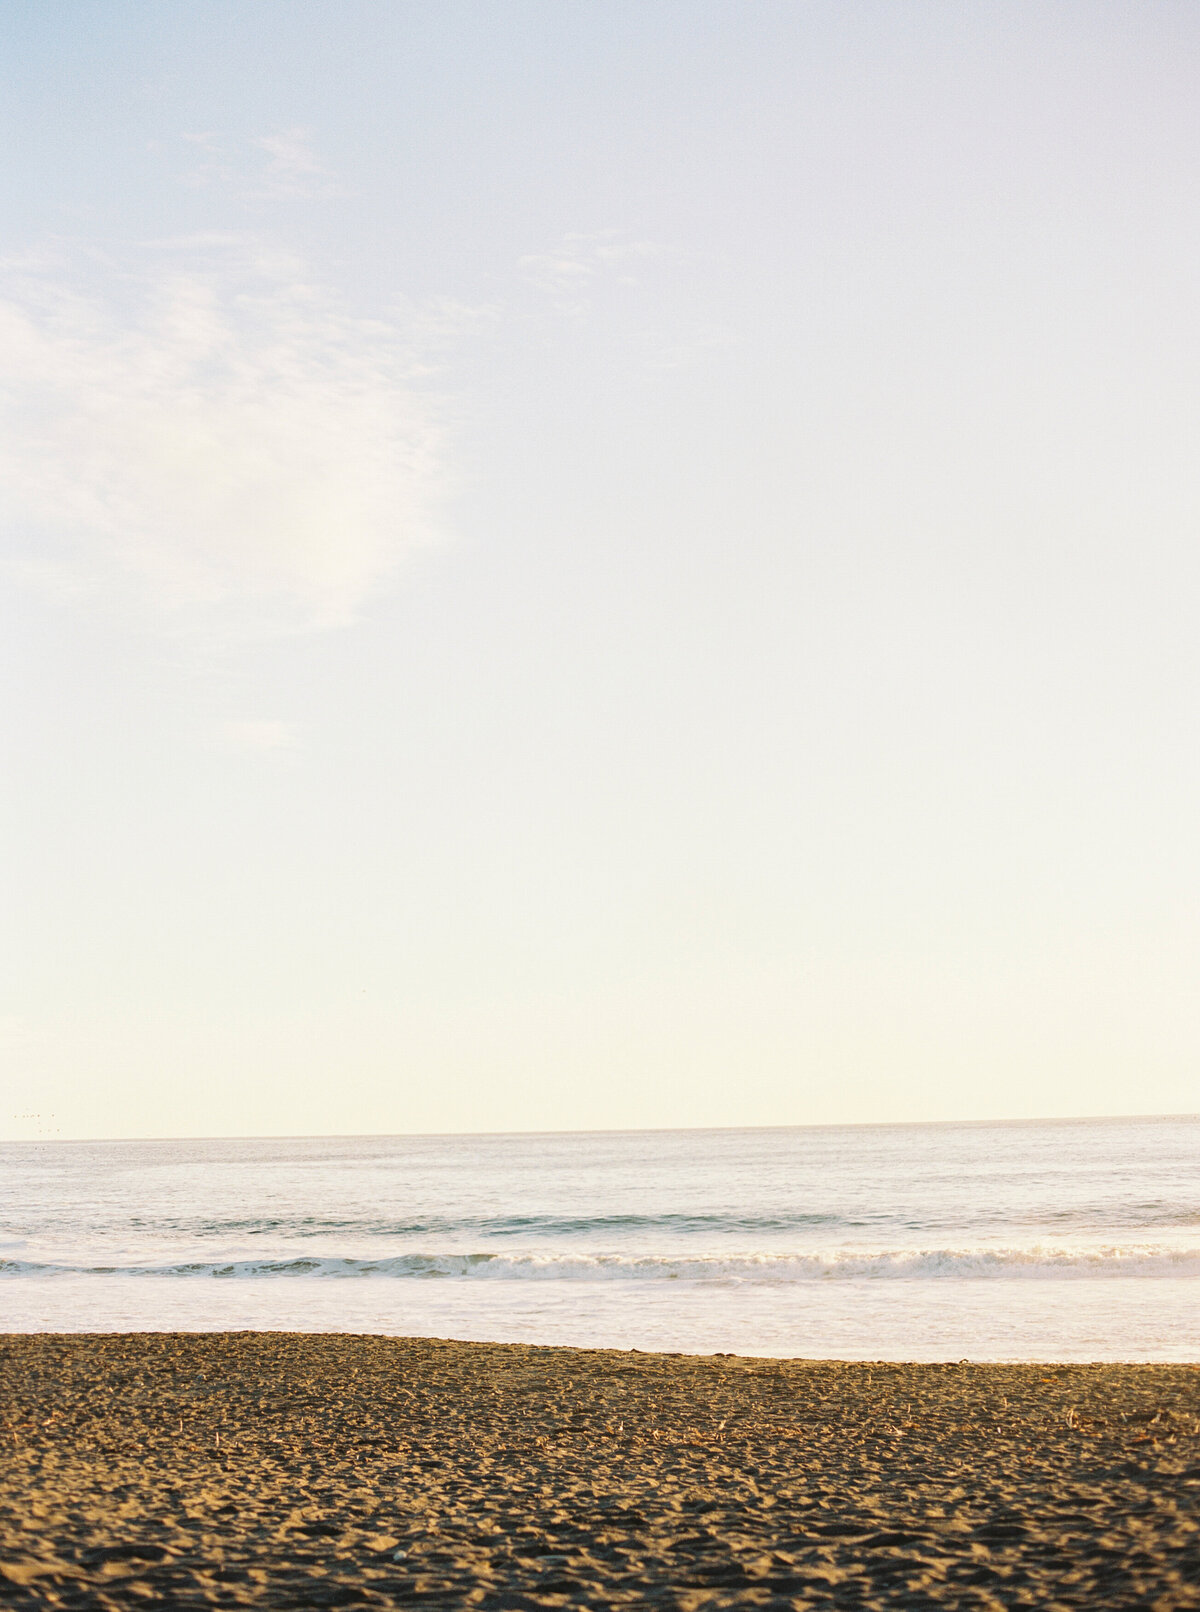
{"x":597,"y":564}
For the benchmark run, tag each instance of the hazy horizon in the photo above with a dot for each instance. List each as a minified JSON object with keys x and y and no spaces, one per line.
{"x":616,"y":1130}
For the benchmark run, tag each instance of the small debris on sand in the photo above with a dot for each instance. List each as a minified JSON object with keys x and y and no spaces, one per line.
{"x":370,"y":1471}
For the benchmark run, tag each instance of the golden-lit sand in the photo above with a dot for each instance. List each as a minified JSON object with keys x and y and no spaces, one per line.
{"x":283,"y":1470}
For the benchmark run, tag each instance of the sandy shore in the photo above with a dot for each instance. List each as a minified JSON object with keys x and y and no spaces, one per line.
{"x":286,"y":1470}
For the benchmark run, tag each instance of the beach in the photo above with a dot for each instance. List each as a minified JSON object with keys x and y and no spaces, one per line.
{"x":287,"y":1470}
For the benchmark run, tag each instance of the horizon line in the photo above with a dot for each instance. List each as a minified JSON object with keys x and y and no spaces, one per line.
{"x":612,"y":1130}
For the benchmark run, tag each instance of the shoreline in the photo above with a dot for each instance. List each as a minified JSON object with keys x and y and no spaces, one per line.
{"x":340,"y":1469}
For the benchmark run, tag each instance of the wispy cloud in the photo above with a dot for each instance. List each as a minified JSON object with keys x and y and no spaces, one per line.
{"x":206,"y":425}
{"x":571,"y":270}
{"x":280,"y":164}
{"x":292,"y":169}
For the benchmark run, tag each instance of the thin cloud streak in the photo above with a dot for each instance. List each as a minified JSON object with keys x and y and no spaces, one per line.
{"x":572,"y":269}
{"x":280,"y":165}
{"x":292,"y":169}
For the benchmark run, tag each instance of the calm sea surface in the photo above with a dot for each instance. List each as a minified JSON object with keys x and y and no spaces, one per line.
{"x":1073,"y":1240}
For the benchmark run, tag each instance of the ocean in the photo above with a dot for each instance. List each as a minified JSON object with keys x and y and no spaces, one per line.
{"x":1065,"y":1240}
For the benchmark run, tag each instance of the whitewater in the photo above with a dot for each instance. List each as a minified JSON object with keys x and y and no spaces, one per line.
{"x":1060,"y":1240}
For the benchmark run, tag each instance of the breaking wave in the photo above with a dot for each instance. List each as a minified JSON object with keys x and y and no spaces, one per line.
{"x":1119,"y":1220}
{"x":833,"y":1265}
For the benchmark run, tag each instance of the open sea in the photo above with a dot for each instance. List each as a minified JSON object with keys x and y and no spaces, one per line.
{"x":1065,"y":1240}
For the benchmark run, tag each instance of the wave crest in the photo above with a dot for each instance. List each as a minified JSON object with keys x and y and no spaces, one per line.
{"x":833,"y":1265}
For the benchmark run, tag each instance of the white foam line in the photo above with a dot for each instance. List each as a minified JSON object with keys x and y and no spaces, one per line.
{"x":1044,"y":1262}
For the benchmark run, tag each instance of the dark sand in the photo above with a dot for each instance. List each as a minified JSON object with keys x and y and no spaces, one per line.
{"x":280,"y":1470}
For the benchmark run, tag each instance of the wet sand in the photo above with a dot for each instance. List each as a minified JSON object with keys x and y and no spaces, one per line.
{"x":284,"y":1470}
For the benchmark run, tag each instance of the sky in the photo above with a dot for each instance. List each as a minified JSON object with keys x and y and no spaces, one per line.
{"x":598,"y":565}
